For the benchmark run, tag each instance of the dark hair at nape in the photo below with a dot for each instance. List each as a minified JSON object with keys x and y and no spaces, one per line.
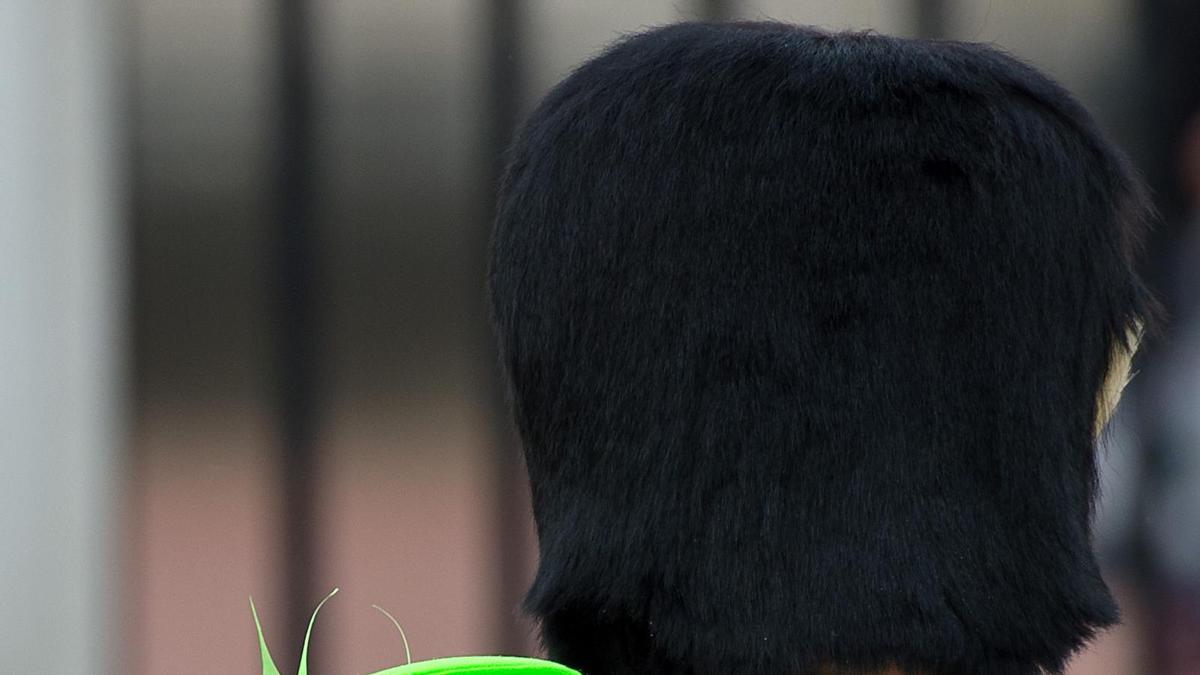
{"x":804,"y":334}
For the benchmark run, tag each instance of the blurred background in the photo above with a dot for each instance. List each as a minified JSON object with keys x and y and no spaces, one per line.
{"x":244,"y":346}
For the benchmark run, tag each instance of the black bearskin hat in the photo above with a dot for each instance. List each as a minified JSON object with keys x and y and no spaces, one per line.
{"x":804,"y":335}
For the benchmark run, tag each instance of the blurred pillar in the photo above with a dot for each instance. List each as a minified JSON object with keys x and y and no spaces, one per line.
{"x":1167,"y":108}
{"x":295,"y":330}
{"x":715,"y":10}
{"x":932,"y":19}
{"x":61,"y":354}
{"x":506,"y":76}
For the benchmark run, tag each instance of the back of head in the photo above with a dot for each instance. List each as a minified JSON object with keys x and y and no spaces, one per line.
{"x":804,"y":335}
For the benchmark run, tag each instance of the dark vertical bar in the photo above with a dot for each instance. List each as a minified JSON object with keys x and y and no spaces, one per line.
{"x":296,"y":322}
{"x":932,"y":19}
{"x":506,"y":84}
{"x":715,"y":10}
{"x":135,"y":480}
{"x":1169,"y":99}
{"x":134,"y":133}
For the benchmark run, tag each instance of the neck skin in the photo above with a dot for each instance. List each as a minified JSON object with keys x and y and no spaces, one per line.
{"x":1118,"y":376}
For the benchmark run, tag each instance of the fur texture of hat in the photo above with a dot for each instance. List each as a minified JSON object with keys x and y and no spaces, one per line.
{"x":804,"y":334}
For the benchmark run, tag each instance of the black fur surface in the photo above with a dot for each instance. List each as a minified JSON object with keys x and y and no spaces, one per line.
{"x":804,"y":334}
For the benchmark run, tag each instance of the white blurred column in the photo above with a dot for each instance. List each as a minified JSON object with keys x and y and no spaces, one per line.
{"x":61,"y":317}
